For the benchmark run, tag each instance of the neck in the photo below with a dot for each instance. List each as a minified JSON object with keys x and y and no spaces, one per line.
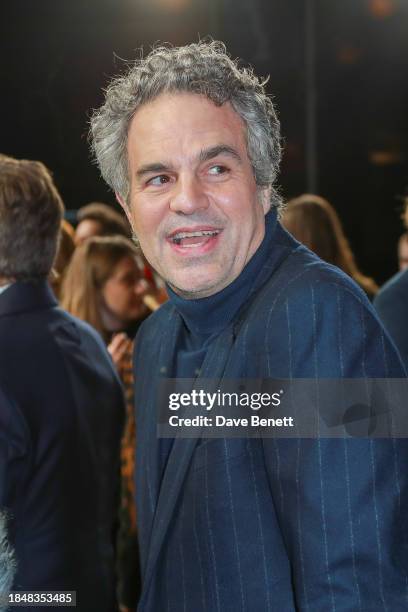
{"x":205,"y":316}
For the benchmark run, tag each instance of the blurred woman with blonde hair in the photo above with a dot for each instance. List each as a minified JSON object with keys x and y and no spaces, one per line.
{"x":313,"y":221}
{"x":104,"y":286}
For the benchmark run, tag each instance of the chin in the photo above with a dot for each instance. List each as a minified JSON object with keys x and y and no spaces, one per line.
{"x":196,"y":290}
{"x":193,"y":281}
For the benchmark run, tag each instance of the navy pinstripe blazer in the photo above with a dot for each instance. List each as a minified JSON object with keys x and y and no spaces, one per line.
{"x":274,"y":525}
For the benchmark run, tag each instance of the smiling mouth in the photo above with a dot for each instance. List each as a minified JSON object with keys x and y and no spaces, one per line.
{"x":193,"y":239}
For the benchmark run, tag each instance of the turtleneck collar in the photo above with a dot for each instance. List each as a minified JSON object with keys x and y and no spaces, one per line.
{"x":206,"y":316}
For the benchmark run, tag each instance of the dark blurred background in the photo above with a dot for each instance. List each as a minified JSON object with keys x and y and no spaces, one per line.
{"x":338,"y":73}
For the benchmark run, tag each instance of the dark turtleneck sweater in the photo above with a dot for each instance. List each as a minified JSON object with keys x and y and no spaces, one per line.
{"x":205,"y":318}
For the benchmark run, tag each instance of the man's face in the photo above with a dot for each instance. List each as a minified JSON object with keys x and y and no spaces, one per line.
{"x":194,"y":204}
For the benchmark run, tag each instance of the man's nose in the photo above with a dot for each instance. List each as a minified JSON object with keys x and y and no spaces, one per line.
{"x":188,"y":196}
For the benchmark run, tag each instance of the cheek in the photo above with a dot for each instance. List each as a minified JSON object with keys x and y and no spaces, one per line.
{"x":125,"y":297}
{"x":146,"y":217}
{"x":122,"y":304}
{"x":148,"y":232}
{"x":116,"y":297}
{"x":236,"y":201}
{"x":108,"y":295}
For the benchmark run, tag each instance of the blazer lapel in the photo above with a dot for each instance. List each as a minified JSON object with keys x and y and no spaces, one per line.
{"x":180,"y":457}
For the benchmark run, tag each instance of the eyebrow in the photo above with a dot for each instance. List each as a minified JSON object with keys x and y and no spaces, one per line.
{"x":149,"y":168}
{"x":204,"y":155}
{"x":207,"y":154}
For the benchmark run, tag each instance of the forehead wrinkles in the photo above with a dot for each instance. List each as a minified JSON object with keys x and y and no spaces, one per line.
{"x":183,"y":124}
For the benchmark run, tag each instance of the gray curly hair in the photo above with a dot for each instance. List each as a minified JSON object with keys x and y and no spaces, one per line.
{"x":202,"y":68}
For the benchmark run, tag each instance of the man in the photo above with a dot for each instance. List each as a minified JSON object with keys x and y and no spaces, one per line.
{"x":190,"y":144}
{"x":391,"y":303}
{"x":61,"y":409}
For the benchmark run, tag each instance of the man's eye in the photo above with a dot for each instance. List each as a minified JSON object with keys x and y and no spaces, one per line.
{"x":156,"y":181}
{"x":216,"y":170}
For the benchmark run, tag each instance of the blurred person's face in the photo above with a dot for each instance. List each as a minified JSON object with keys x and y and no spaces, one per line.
{"x":403,"y":254}
{"x":87,"y":229}
{"x":123,"y":292}
{"x":194,"y":203}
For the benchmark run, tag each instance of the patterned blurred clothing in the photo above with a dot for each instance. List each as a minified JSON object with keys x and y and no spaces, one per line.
{"x":127,"y":546}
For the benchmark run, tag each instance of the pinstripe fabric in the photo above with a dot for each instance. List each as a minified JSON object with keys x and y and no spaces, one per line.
{"x":275,"y":525}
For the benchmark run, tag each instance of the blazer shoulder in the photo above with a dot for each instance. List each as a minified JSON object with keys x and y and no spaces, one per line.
{"x":311,"y":311}
{"x":304,"y":274}
{"x":71,"y":334}
{"x":85,"y":330}
{"x":395,"y":288}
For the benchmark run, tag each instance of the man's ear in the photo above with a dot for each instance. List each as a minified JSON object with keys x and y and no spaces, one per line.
{"x":125,"y":207}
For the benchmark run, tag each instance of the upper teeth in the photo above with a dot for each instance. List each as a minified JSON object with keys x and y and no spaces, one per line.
{"x":181,"y":235}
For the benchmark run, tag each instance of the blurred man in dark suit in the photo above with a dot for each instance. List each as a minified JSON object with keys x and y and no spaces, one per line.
{"x":61,"y":408}
{"x":391,"y":304}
